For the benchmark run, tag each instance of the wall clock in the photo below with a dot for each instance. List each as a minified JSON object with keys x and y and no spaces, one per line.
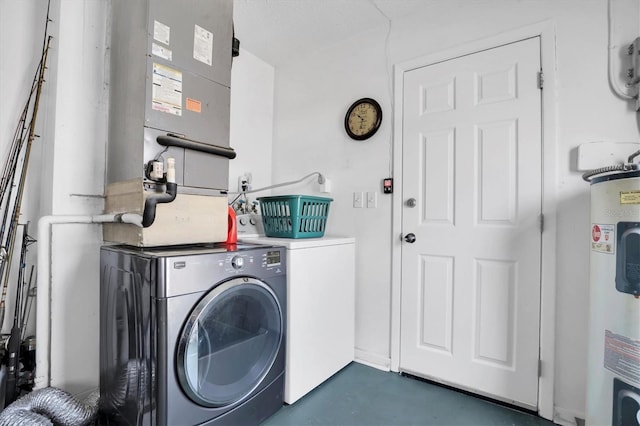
{"x":363,"y":119}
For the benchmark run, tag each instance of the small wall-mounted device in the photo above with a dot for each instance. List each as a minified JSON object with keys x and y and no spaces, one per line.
{"x":244,"y":182}
{"x":387,"y":186}
{"x":634,"y":71}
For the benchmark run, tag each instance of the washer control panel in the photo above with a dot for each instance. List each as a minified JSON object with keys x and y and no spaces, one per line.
{"x":183,"y":274}
{"x":237,"y":262}
{"x":269,"y":260}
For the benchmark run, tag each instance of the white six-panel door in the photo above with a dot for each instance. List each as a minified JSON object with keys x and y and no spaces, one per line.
{"x":471,"y":280}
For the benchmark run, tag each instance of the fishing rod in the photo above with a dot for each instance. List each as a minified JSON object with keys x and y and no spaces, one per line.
{"x":15,"y":339}
{"x":13,"y":157}
{"x":18,"y":141}
{"x":8,"y":175}
{"x":28,"y":302}
{"x":9,"y":241}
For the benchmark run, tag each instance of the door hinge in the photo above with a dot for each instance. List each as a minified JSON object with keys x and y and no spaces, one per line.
{"x":541,"y":221}
{"x":540,"y":80}
{"x":539,"y":368}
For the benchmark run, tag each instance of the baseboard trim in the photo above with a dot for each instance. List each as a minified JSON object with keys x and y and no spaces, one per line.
{"x":566,"y":417}
{"x":372,"y":360}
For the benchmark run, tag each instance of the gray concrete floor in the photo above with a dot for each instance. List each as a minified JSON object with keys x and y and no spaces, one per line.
{"x":361,"y":395}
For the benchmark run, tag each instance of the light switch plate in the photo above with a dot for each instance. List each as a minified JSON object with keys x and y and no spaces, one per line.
{"x":358,"y":200}
{"x":372,"y":200}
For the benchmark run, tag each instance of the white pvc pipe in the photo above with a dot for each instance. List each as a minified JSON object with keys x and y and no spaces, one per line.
{"x":43,"y":300}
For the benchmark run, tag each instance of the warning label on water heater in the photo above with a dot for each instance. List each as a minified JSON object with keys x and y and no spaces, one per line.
{"x":622,"y":356}
{"x":630,"y":197}
{"x":603,"y":238}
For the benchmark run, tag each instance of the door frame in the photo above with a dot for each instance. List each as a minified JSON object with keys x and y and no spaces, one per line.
{"x":546,"y":31}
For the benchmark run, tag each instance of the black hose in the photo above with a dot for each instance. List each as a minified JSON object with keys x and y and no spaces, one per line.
{"x":149,"y":214}
{"x":182,"y":142}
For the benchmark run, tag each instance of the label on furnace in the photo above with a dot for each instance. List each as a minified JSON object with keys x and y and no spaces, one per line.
{"x":203,"y":45}
{"x":166,"y":92}
{"x":162,"y":52}
{"x":161,"y":32}
{"x":603,"y":238}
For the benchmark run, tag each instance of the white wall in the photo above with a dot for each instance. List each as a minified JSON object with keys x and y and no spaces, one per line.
{"x":251,"y":135}
{"x":312,"y":97}
{"x":313,"y":93}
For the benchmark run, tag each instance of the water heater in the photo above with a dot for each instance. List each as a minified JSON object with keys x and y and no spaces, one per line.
{"x":613,"y":382}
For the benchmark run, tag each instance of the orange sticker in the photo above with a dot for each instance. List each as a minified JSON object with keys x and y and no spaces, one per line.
{"x":193,"y":105}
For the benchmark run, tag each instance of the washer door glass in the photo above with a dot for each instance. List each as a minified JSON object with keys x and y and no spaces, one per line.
{"x":229,"y":343}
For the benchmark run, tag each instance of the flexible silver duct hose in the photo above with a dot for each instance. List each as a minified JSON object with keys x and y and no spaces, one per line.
{"x":629,"y":165}
{"x":618,"y":167}
{"x":49,"y":406}
{"x":588,"y":174}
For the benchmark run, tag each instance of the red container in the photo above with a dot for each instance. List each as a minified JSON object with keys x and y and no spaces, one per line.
{"x":232,"y":232}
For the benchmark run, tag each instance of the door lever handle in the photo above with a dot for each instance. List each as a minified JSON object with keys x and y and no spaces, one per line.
{"x":410,"y":238}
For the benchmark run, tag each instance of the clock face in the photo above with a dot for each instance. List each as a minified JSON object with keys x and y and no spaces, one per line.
{"x":363,"y":119}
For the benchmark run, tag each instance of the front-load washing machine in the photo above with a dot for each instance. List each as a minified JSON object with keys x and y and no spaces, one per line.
{"x":192,"y":335}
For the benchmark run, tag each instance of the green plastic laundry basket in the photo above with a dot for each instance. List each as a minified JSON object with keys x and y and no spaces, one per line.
{"x":294,"y":216}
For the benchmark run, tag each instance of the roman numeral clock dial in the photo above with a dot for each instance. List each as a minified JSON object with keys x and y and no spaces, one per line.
{"x":363,"y":119}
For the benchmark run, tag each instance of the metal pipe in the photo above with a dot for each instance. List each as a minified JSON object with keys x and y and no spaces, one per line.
{"x":633,"y":156}
{"x":42,"y":377}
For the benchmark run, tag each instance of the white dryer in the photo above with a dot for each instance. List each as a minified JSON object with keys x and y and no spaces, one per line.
{"x":320,"y":305}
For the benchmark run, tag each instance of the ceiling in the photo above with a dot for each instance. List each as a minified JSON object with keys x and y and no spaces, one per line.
{"x":274,"y":30}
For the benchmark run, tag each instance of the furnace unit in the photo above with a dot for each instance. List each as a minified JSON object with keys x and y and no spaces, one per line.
{"x":170,"y":76}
